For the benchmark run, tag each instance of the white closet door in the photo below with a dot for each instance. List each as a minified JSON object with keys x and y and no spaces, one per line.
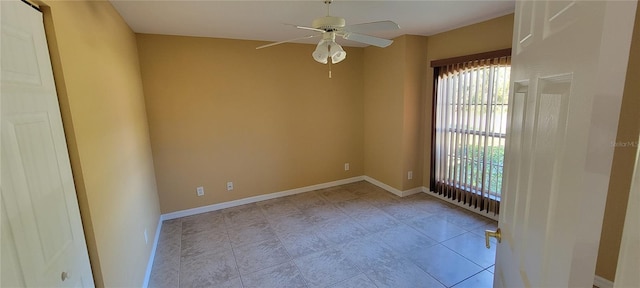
{"x":43,"y":243}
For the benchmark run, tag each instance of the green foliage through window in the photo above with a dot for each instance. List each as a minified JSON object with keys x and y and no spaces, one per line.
{"x":471,"y":159}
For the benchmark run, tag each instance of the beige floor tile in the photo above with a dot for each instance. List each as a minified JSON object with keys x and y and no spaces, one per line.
{"x":283,"y":275}
{"x":357,"y":206}
{"x":169,"y":246}
{"x":165,"y":275}
{"x":444,"y":265}
{"x":253,"y":233}
{"x":436,"y":228}
{"x":337,"y":194}
{"x":464,"y":219}
{"x":483,"y":279}
{"x":368,"y":252}
{"x":291,"y":223}
{"x":472,"y":247}
{"x":354,"y":235}
{"x":203,"y":222}
{"x":208,"y":270}
{"x":171,"y":227}
{"x":375,"y":222}
{"x":307,"y":200}
{"x":233,"y":283}
{"x":300,"y":243}
{"x":381,"y":200}
{"x":360,"y":281}
{"x":401,"y":274}
{"x":320,"y":214}
{"x":339,"y":231}
{"x":205,"y":242}
{"x":493,"y":225}
{"x":244,"y":215}
{"x":404,"y":211}
{"x":404,"y":239}
{"x":257,"y":256}
{"x":282,"y":208}
{"x":326,"y":268}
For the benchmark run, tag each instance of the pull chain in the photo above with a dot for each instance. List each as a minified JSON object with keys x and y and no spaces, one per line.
{"x":329,"y":60}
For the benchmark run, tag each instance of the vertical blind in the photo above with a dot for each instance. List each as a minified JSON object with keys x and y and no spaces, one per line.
{"x":470,"y":117}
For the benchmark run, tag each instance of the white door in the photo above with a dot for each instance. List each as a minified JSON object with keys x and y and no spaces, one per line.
{"x":43,"y":242}
{"x":568,"y":71}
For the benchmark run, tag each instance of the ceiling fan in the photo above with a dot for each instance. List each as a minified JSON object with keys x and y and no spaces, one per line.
{"x":330,"y":26}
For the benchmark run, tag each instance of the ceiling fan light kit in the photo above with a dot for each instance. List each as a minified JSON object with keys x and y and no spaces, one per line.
{"x":328,"y":48}
{"x":330,"y":26}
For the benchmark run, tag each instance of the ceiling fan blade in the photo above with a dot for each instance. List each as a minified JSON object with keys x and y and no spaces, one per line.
{"x":372,"y":26}
{"x":287,"y":41}
{"x":309,"y":28}
{"x":305,"y":27}
{"x":375,"y":41}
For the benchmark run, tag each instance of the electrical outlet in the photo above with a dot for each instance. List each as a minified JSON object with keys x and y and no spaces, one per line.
{"x":410,"y":175}
{"x":229,"y":186}
{"x":346,"y":166}
{"x":146,"y":237}
{"x":200,"y":191}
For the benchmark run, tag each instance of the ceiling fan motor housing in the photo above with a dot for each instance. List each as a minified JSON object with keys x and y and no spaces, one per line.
{"x":328,"y":23}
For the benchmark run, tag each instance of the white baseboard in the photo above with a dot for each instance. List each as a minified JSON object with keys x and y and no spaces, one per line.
{"x":218,"y":206}
{"x":391,"y":189}
{"x":411,"y":191}
{"x":383,"y":186}
{"x":460,"y":204}
{"x":601,"y":282}
{"x":147,"y":274}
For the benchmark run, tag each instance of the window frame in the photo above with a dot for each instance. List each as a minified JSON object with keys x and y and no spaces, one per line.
{"x":437,"y":65}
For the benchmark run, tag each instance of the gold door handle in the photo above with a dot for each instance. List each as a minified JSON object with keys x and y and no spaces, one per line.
{"x":496,"y":234}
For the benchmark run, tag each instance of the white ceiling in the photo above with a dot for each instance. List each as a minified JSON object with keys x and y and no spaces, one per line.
{"x":264,"y":19}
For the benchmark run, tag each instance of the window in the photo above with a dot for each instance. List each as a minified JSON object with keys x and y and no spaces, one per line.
{"x":470,"y":119}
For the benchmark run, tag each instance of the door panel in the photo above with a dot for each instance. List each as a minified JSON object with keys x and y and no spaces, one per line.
{"x":568,"y":62}
{"x":43,"y":237}
{"x":11,"y":272}
{"x":524,"y":27}
{"x":35,"y":173}
{"x":559,"y":15}
{"x":15,"y":68}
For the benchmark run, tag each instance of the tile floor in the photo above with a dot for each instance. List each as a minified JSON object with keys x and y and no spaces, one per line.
{"x":354,"y":235}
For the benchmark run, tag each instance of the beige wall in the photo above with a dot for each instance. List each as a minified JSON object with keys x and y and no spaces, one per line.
{"x":269,"y":120}
{"x":398,"y":97}
{"x":97,"y":75}
{"x":415,"y":93}
{"x":494,"y":34}
{"x":622,"y":166}
{"x":394,"y":91}
{"x":383,"y":109}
